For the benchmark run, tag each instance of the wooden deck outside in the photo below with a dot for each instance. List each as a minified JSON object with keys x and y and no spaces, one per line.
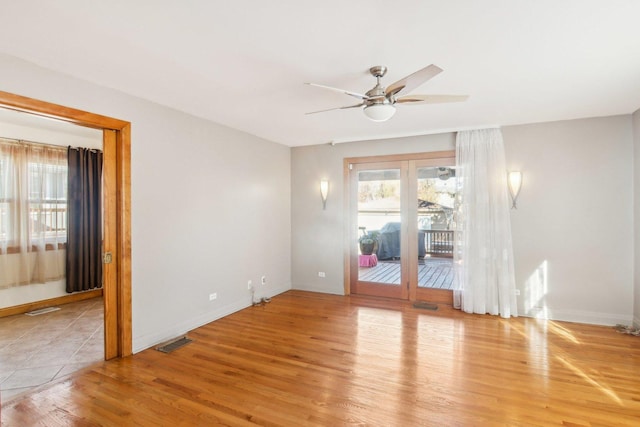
{"x":434,"y":273}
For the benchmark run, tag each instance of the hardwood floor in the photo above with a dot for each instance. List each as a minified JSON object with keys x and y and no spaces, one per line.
{"x":315,"y":359}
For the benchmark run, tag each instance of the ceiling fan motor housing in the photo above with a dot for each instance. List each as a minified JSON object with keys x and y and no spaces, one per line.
{"x":377,"y":95}
{"x":378,"y":71}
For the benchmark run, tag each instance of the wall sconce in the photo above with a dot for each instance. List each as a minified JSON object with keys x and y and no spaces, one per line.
{"x":324,"y":191}
{"x":514,"y":180}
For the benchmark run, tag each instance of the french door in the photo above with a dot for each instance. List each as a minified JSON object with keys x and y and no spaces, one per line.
{"x":379,"y":199}
{"x":400,"y":221}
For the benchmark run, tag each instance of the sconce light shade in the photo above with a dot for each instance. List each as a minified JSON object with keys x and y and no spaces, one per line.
{"x":324,"y":192}
{"x":514,"y":180}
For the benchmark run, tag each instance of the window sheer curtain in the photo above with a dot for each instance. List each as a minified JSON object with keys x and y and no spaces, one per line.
{"x":33,"y":181}
{"x":483,"y":253}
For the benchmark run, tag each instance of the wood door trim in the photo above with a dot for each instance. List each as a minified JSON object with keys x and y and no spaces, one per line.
{"x":400,"y":157}
{"x":436,"y":296}
{"x":346,"y":245}
{"x":122,"y":346}
{"x":123,"y":231}
{"x":54,"y":111}
{"x":371,"y":289}
{"x":412,"y":226}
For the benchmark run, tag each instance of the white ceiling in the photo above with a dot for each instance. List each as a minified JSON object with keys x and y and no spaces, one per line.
{"x":243,"y":63}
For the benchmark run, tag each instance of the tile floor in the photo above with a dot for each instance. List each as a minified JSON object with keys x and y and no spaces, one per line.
{"x":37,"y":349}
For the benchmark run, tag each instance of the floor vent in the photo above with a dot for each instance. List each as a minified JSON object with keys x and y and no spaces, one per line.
{"x":42,"y":311}
{"x":425,"y":305}
{"x":170,"y":346}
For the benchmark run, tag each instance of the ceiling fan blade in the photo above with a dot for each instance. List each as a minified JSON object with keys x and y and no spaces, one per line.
{"x":414,"y":80}
{"x":431,"y":99}
{"x":337,"y":108}
{"x":346,"y":92}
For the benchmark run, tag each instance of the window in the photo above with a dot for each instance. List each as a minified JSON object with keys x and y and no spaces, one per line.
{"x":48,"y":201}
{"x":33,"y":197}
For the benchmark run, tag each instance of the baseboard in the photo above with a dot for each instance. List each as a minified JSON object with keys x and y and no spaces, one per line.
{"x":337,"y":291}
{"x":151,"y":340}
{"x":144,"y":342}
{"x":36,"y":305}
{"x":578,"y":316}
{"x":636,"y":322}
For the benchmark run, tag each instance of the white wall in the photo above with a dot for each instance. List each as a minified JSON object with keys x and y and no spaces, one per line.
{"x":572,"y":230}
{"x":636,"y":216}
{"x":89,"y":138}
{"x":210,"y":205}
{"x":318,"y":235}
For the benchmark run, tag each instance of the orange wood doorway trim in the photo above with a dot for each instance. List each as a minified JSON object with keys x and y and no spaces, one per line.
{"x":117,"y":198}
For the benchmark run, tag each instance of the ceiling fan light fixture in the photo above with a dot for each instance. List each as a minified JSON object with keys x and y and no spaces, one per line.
{"x":379,"y":112}
{"x":380,"y":103}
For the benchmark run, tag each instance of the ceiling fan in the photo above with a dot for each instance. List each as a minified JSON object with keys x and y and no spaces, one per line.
{"x":380,"y":103}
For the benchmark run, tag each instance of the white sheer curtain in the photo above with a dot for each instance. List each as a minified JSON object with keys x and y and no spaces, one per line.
{"x":33,"y":192}
{"x":483,"y":251}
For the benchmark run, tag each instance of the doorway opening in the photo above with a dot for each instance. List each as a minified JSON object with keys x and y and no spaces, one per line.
{"x":400,"y":216}
{"x":117,"y":212}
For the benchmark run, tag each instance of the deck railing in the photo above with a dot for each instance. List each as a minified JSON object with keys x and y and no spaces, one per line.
{"x":439,"y":242}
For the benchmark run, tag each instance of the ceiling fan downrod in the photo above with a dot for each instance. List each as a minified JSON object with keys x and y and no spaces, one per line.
{"x":377,"y":94}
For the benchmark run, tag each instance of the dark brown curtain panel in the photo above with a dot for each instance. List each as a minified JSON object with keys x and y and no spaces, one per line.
{"x":84,"y":228}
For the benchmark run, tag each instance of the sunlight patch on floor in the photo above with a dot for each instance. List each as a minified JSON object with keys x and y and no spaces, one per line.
{"x":606,"y":390}
{"x":562,"y":332}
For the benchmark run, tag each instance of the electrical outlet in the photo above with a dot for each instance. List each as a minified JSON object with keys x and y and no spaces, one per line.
{"x":321,"y":274}
{"x":517,"y":292}
{"x":213,"y":296}
{"x":263,"y":280}
{"x":249,"y":283}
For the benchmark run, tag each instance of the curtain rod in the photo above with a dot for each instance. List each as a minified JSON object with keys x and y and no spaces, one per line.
{"x":95,"y":150}
{"x":26,"y":141}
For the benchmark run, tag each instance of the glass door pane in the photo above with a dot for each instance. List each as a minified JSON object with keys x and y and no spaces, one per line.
{"x":436,"y":191}
{"x":381,"y":246}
